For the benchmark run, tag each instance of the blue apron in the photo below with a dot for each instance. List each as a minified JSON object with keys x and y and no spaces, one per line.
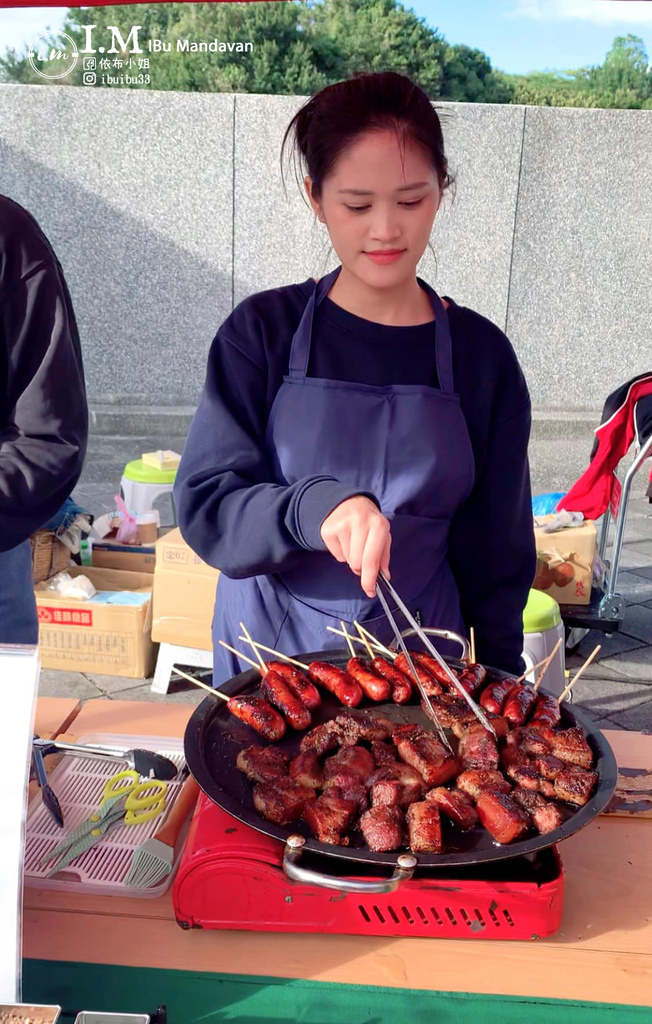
{"x":406,"y":444}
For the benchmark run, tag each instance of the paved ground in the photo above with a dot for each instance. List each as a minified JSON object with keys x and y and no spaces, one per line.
{"x":616,"y":689}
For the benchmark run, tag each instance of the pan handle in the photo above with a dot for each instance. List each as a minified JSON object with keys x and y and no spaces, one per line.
{"x":405,"y":865}
{"x":445,"y":634}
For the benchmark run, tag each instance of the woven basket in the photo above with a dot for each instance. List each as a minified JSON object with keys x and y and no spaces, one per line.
{"x":49,"y":555}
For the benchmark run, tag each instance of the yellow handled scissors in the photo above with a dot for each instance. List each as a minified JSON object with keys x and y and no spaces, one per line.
{"x":142,"y":800}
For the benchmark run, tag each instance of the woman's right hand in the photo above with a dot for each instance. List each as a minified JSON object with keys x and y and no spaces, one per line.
{"x":356,"y":532}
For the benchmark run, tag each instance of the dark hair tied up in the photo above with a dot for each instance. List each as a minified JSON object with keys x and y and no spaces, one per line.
{"x":334,"y":117}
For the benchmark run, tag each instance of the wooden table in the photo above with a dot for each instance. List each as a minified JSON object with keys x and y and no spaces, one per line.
{"x":126,"y":954}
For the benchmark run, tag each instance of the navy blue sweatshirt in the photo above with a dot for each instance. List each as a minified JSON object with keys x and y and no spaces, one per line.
{"x":43,"y":413}
{"x":237,"y":520}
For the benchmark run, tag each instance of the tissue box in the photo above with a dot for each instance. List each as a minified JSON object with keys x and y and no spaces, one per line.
{"x":565,"y":561}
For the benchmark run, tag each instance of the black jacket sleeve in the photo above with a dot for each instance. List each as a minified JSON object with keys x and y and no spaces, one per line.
{"x":491,"y":543}
{"x":229,"y":509}
{"x":43,"y":412}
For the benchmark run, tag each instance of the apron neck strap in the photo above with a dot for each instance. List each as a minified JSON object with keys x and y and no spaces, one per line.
{"x":300,"y":350}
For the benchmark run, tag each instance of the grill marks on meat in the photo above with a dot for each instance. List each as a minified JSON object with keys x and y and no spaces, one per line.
{"x":478,"y":749}
{"x":451,"y":710}
{"x":262,"y":764}
{"x":351,"y":728}
{"x":531,"y":740}
{"x":321,"y":739}
{"x":305,"y":769}
{"x":382,"y":828}
{"x":546,"y":816}
{"x":330,"y":817}
{"x":501,"y":816}
{"x":410,"y":784}
{"x":575,"y":785}
{"x":424,"y":827}
{"x":548,"y":766}
{"x":480,"y":780}
{"x":500,"y":725}
{"x":571,"y":746}
{"x":423,"y":752}
{"x":281,"y":801}
{"x":456,"y":805}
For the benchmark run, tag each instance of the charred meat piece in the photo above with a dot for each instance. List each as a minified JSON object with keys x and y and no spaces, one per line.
{"x":262,"y":764}
{"x":478,"y":749}
{"x":531,"y":740}
{"x":281,"y":801}
{"x":549,"y":766}
{"x":423,"y":752}
{"x":500,"y":725}
{"x":337,"y":682}
{"x":386,"y":793}
{"x":382,"y":828}
{"x":502,"y":817}
{"x":351,"y":728}
{"x":357,"y":794}
{"x":451,"y":710}
{"x":411,"y":785}
{"x":570,"y":745}
{"x":456,"y":805}
{"x":298,"y":682}
{"x":321,"y":739}
{"x":355,"y":762}
{"x":480,"y":780}
{"x":274,"y":689}
{"x":525,"y":775}
{"x":374,"y":686}
{"x":547,"y":788}
{"x":383,"y":753}
{"x":330,"y":816}
{"x":575,"y":785}
{"x":427,"y":680}
{"x":546,"y":816}
{"x":399,"y":682}
{"x":424,"y":827}
{"x":306,"y":770}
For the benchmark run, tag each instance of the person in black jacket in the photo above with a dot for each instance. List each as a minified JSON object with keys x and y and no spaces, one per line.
{"x":43,"y":411}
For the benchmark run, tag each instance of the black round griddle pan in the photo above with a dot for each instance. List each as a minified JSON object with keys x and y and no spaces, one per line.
{"x":213,"y":738}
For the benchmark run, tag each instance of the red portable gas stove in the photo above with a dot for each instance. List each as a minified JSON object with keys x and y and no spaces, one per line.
{"x":231,"y":876}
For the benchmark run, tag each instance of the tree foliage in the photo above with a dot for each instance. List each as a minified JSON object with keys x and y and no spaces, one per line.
{"x":303,"y":45}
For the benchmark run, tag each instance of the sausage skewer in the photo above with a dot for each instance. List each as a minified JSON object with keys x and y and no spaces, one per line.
{"x":385,"y":651}
{"x":375,"y":687}
{"x":579,"y":673}
{"x":270,"y":650}
{"x":276,"y":690}
{"x":255,"y":712}
{"x":548,"y":662}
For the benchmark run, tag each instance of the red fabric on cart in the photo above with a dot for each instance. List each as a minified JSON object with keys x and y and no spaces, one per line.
{"x":592,"y":493}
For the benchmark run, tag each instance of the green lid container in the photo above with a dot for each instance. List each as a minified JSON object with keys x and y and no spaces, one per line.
{"x":141,"y":473}
{"x":541,"y":613}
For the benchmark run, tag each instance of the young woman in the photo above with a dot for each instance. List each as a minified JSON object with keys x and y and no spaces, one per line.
{"x":360,"y":422}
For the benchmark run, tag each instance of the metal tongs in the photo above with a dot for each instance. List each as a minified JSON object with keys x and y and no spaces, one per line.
{"x":477,"y":710}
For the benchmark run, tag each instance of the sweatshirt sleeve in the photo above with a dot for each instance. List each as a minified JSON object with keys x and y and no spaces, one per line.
{"x":43,"y":438}
{"x":491,"y":545}
{"x":229,"y":509}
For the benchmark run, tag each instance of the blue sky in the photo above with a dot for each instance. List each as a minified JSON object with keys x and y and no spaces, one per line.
{"x":517,"y":35}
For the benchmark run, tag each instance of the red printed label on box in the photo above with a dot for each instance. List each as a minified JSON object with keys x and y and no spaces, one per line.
{"x":65,"y":616}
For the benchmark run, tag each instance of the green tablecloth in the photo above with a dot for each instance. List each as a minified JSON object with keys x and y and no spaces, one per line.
{"x":203,"y":998}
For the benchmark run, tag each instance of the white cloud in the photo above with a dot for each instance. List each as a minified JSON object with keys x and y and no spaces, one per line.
{"x":19,"y":25}
{"x":600,"y":12}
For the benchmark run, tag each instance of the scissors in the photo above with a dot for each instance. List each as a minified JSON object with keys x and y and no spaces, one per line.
{"x":125,"y":801}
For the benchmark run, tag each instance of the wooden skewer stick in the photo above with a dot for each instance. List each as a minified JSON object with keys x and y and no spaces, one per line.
{"x":376,"y":643}
{"x":348,"y":638}
{"x":579,"y":673}
{"x":549,"y":660}
{"x":364,"y":640}
{"x":277,"y":654}
{"x":237,"y":653}
{"x":197,"y":682}
{"x":472,"y":632}
{"x":338,"y":632}
{"x":531,"y":670}
{"x":247,"y":634}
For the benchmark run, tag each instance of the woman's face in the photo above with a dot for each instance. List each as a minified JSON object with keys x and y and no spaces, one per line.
{"x":381,"y":197}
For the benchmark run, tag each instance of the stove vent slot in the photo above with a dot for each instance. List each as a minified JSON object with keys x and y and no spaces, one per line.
{"x":364,"y":913}
{"x":379,"y":914}
{"x":492,"y":915}
{"x":408,"y":915}
{"x":436,"y":916}
{"x":394,"y":916}
{"x":508,"y":918}
{"x":450,"y":915}
{"x":423,"y":916}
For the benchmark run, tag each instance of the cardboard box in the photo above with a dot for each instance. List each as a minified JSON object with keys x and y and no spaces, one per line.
{"x":184,"y":595}
{"x":565,"y":561}
{"x":104,"y":639}
{"x":126,"y":557}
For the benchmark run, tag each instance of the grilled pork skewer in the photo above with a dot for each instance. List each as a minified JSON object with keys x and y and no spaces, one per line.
{"x":255,"y":712}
